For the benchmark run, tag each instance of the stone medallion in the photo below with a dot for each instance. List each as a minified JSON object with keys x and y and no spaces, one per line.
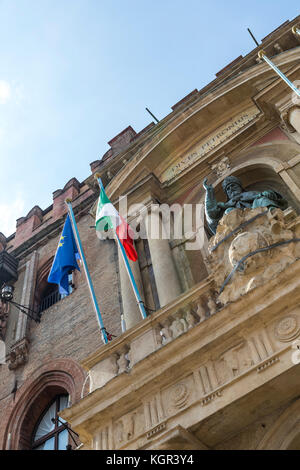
{"x":287,"y":329}
{"x":179,"y":395}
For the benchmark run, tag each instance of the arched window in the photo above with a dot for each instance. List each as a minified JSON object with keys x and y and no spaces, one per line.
{"x":50,"y":432}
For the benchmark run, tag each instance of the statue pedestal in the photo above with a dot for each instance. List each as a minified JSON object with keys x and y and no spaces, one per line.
{"x":251,"y":246}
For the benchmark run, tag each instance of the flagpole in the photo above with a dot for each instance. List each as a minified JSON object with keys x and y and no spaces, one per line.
{"x":262,"y":55}
{"x":127,"y":265}
{"x":87,"y":274}
{"x":132,"y":280}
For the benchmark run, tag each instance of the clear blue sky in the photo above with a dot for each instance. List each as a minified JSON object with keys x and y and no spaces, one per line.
{"x":74,"y":73}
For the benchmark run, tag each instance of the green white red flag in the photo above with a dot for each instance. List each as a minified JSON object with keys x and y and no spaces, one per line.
{"x":107,"y":217}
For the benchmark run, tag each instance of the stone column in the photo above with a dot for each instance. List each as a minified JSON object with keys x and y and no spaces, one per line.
{"x":167,"y":283}
{"x":131,"y":311}
{"x":294,"y":118}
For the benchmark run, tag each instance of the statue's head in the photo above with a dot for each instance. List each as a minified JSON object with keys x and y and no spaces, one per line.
{"x":232,"y":186}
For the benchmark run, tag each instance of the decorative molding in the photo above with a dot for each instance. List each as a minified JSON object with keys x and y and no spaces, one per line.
{"x":267,"y":364}
{"x":205,"y":401}
{"x":179,"y":395}
{"x":156,"y":430}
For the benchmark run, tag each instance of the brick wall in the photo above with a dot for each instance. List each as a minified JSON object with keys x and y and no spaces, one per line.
{"x":68,"y":330}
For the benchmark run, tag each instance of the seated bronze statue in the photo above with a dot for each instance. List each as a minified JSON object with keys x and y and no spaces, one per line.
{"x":237,"y":198}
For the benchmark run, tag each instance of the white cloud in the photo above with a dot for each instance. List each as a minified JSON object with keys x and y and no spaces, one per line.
{"x":5,"y":92}
{"x":9,"y":213}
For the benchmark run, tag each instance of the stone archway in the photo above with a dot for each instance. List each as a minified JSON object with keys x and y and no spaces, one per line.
{"x":285,"y":433}
{"x":57,"y":377}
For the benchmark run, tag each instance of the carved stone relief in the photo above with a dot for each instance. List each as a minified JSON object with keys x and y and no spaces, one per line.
{"x":233,"y":362}
{"x":128,"y":426}
{"x":287,"y":328}
{"x":242,"y":256}
{"x":19,"y":354}
{"x":221,"y":167}
{"x":179,"y":395}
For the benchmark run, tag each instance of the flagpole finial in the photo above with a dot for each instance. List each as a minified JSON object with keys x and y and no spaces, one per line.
{"x":68,"y":200}
{"x":261,"y":54}
{"x":97,"y":175}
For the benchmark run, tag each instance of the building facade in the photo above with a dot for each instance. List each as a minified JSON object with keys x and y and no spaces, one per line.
{"x":213,"y":365}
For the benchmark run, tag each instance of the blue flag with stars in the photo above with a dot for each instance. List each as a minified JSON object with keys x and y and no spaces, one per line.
{"x":65,"y":259}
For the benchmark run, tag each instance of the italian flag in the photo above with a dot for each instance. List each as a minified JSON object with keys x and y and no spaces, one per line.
{"x":107,"y":217}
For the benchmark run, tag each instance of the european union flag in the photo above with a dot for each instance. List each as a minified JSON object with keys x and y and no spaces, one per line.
{"x":65,"y":259}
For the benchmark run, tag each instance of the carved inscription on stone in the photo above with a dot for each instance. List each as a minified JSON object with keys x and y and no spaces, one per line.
{"x":212,"y":141}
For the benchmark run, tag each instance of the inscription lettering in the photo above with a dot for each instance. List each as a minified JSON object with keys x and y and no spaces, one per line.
{"x":215,"y":139}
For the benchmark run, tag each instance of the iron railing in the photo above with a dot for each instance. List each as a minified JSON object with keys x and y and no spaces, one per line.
{"x":50,"y":300}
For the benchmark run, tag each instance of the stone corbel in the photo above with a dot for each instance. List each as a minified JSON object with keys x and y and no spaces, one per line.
{"x":293,"y":116}
{"x":285,"y":107}
{"x":19,"y":354}
{"x":285,"y":122}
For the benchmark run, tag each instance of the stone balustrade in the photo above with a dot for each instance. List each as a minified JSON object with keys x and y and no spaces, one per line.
{"x":174,"y":319}
{"x":148,"y":336}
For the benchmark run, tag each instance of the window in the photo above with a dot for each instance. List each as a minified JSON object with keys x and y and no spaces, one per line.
{"x":48,"y":434}
{"x":51,"y":294}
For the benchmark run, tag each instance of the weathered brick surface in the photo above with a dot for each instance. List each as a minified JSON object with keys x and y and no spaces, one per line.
{"x":68,"y":331}
{"x":37,"y":220}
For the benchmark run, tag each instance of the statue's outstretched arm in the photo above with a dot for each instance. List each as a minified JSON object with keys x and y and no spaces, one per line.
{"x":212,"y":210}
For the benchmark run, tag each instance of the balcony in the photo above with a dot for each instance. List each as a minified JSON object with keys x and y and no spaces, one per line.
{"x":197,"y":372}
